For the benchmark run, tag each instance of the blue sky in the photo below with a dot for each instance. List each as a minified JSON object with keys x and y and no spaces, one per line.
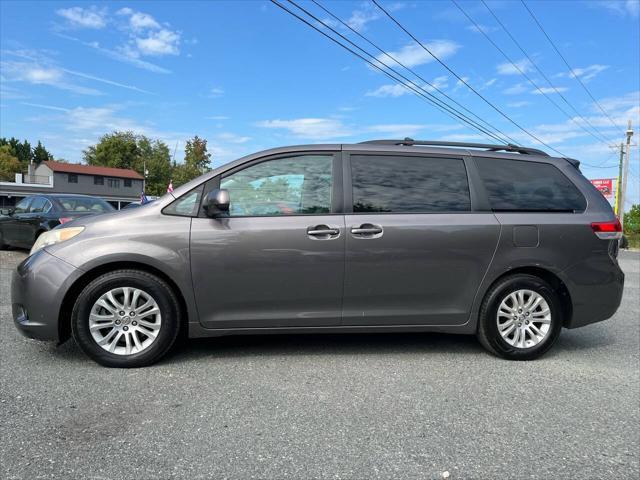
{"x":248,"y":76}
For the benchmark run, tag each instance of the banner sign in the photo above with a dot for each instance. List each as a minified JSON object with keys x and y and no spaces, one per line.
{"x":605,"y":186}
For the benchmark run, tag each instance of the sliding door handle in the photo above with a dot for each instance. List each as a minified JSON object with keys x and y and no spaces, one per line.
{"x":367,"y":230}
{"x":323,"y":232}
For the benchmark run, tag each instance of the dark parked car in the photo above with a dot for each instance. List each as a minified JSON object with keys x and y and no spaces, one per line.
{"x":500,"y":241}
{"x":21,"y":226}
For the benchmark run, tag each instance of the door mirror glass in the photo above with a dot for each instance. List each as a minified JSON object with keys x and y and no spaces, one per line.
{"x":216,"y":203}
{"x":6,"y":211}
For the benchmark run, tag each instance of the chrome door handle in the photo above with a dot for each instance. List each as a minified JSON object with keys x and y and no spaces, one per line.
{"x":366,"y":229}
{"x":323,"y":231}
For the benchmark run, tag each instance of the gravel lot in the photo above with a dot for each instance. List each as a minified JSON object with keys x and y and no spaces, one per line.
{"x":327,"y":406}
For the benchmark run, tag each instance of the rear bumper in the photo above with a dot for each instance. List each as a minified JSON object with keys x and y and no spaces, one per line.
{"x":596,"y":287}
{"x":38,"y":287}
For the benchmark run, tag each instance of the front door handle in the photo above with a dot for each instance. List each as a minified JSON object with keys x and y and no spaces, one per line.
{"x":367,"y":230}
{"x":323,"y":232}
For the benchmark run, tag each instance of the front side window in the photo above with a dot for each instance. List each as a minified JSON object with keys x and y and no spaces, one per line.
{"x":37,"y":206}
{"x":23,"y":205}
{"x":299,"y":185}
{"x":405,"y":184}
{"x":185,"y":206}
{"x":516,"y":185}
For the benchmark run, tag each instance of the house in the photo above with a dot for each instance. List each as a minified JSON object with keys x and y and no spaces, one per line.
{"x":118,"y":186}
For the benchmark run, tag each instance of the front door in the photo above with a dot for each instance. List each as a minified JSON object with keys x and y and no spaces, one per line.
{"x":277,"y":260}
{"x":16,"y":228}
{"x":416,"y":253}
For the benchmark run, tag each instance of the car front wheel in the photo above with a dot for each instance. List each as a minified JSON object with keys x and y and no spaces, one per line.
{"x":520,"y":318}
{"x":126,"y":318}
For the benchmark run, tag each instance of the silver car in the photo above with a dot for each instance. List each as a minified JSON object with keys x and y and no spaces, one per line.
{"x":499,"y":241}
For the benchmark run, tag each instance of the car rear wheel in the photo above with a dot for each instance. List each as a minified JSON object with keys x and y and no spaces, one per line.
{"x":126,"y":318}
{"x":520,"y":318}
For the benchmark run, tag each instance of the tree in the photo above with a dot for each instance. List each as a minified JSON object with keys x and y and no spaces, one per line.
{"x":9,"y":164}
{"x":40,"y":154}
{"x":196,"y":161}
{"x":20,"y":150}
{"x":632,"y":220}
{"x":117,"y":149}
{"x":131,"y":151}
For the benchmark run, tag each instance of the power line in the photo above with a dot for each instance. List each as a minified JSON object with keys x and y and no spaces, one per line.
{"x":524,"y":74}
{"x":409,"y":87}
{"x":464,"y":81}
{"x":410,"y":70}
{"x":568,"y":66}
{"x":564,"y":99}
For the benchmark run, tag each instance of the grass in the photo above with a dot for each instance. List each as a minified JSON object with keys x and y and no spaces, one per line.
{"x":634,"y":240}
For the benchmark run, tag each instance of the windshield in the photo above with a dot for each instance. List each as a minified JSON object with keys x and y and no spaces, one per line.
{"x":84,"y":204}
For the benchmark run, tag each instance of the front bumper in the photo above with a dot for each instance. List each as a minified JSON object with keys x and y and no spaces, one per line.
{"x":38,"y":287}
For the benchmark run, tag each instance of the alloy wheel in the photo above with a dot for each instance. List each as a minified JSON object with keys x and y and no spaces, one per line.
{"x":524,"y":318}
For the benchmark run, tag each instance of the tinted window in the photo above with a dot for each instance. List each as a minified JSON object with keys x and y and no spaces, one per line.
{"x":185,"y":206}
{"x":409,"y":184}
{"x":84,"y":204}
{"x":514,"y":185}
{"x":285,"y":186}
{"x":23,"y":205}
{"x":37,"y":206}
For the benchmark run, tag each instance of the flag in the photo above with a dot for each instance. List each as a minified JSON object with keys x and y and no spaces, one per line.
{"x":170,"y":187}
{"x":143,"y":199}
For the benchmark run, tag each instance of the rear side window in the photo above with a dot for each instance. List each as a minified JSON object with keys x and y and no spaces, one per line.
{"x":404,"y":184}
{"x":514,"y":185}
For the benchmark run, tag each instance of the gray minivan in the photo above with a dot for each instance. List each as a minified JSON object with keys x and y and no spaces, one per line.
{"x":500,"y":241}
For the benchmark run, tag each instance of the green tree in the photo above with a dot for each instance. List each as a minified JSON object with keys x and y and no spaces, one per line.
{"x":21,"y":150}
{"x":117,"y":149}
{"x":632,"y":220}
{"x":128,"y":150}
{"x":196,"y":161}
{"x":9,"y":164}
{"x":40,"y":154}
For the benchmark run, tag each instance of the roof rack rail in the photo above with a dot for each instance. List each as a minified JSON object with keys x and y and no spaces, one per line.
{"x":489,"y":147}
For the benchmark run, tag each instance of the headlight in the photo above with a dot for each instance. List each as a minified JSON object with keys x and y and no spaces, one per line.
{"x":57,"y":235}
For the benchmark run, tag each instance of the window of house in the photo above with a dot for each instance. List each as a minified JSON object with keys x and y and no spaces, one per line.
{"x":517,"y":185}
{"x":113,"y":182}
{"x":72,"y":178}
{"x":408,"y":184}
{"x":97,"y":180}
{"x":127,"y":182}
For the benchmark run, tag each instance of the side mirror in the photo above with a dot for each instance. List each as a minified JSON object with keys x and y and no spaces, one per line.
{"x":216,"y":203}
{"x":6,"y":211}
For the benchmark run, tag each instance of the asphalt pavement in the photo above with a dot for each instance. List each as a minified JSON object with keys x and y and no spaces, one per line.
{"x":406,"y":406}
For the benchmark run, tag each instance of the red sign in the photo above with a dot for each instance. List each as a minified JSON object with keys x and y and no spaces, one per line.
{"x":605,"y":186}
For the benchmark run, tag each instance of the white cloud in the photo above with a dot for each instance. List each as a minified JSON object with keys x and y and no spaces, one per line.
{"x":481,"y":28}
{"x":390,"y":90}
{"x":309,"y":128}
{"x":162,"y":42}
{"x":232,"y":138}
{"x":523,"y":103}
{"x":516,"y":68}
{"x":141,"y":21}
{"x":548,"y":90}
{"x":625,"y":8}
{"x":586,"y":73}
{"x":515,"y":89}
{"x":84,"y":17}
{"x":215,"y":92}
{"x":413,"y":54}
{"x":37,"y":74}
{"x":217,"y":117}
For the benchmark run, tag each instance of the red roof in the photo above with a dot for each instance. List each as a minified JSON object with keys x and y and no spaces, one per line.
{"x":92,"y":170}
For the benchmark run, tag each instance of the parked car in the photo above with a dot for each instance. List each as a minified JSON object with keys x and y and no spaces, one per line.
{"x":136,"y":204}
{"x":500,"y":241}
{"x":21,"y":226}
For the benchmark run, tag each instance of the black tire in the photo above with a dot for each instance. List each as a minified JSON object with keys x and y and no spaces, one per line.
{"x":624,"y":242}
{"x":154,"y":286}
{"x":488,"y":333}
{"x":3,"y":246}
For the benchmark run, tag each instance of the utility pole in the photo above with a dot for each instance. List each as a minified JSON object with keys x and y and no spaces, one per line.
{"x":623,"y":192}
{"x":619,"y":180}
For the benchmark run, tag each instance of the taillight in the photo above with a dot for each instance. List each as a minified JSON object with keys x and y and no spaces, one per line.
{"x":607,"y":230}
{"x":64,"y":220}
